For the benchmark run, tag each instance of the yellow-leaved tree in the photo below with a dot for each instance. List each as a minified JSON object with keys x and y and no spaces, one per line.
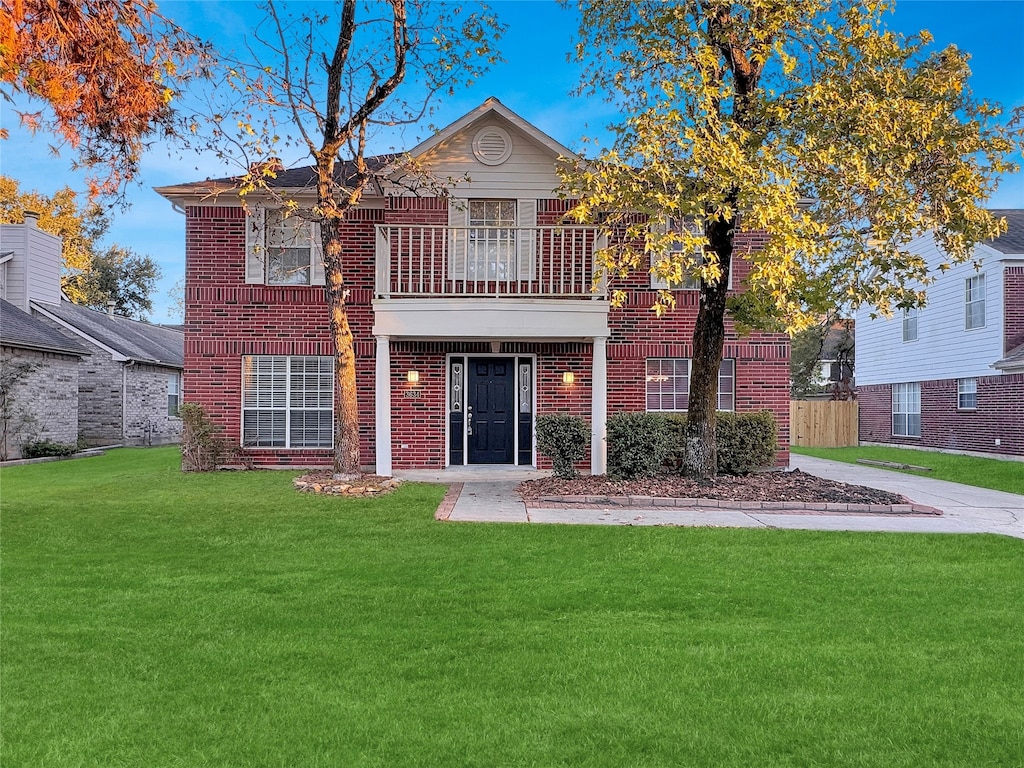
{"x":806,"y":120}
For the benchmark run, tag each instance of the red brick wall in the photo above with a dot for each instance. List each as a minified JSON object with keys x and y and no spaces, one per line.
{"x":637,"y":333}
{"x":1000,"y":414}
{"x":1013,"y":308}
{"x":226,"y":319}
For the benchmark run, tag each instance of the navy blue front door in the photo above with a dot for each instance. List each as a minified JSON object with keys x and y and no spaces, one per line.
{"x":490,"y":410}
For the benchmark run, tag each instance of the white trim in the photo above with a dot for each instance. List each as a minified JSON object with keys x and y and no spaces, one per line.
{"x":382,"y":404}
{"x":489,"y":106}
{"x":464,"y":357}
{"x":485,"y":318}
{"x":599,"y":407}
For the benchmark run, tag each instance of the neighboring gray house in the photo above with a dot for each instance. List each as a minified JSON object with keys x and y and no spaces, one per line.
{"x":129,"y":387}
{"x":121,"y":377}
{"x":39,"y":368}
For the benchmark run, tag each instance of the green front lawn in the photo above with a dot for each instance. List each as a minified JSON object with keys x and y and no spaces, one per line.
{"x":151,"y":618}
{"x":970,"y":470}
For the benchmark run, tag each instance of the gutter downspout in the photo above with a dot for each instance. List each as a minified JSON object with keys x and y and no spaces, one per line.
{"x":124,"y":400}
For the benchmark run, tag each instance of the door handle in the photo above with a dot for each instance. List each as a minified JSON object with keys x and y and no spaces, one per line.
{"x":469,"y":420}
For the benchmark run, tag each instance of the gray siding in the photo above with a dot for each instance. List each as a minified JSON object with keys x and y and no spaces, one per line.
{"x":34,"y":272}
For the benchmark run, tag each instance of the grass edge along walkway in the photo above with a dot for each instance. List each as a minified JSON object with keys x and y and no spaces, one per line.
{"x":159,"y":619}
{"x":980,"y":472}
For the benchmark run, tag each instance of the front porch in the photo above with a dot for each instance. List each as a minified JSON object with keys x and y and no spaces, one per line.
{"x":468,"y":404}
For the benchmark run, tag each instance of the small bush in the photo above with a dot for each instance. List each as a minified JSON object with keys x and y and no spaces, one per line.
{"x":564,"y":440}
{"x":675,"y":456}
{"x":202,"y":450}
{"x":638,"y":445}
{"x":37,"y":449}
{"x":746,"y":442}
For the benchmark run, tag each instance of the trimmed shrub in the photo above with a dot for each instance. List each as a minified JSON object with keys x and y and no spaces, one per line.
{"x":37,"y":449}
{"x":564,"y":440}
{"x":746,"y":442}
{"x":638,"y":445}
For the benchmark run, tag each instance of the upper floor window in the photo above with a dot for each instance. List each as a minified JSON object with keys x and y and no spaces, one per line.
{"x":910,"y":324}
{"x":668,"y":384}
{"x":287,"y":402}
{"x":492,"y":239}
{"x":491,"y":247}
{"x":282,"y":248}
{"x":689,"y":260}
{"x":974,"y":302}
{"x":289,"y":250}
{"x":967,"y":394}
{"x":906,"y":409}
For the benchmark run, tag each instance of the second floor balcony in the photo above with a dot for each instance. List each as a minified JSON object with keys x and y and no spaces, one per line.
{"x":441,"y":282}
{"x":418,"y":261}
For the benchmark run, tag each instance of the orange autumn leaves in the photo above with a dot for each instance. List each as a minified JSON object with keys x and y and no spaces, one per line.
{"x":106,"y":70}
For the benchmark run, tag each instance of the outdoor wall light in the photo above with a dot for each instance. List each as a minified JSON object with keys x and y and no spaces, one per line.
{"x":412,"y":376}
{"x":568,"y":377}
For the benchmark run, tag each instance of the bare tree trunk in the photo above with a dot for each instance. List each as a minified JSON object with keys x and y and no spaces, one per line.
{"x":708,"y":346}
{"x":346,"y":408}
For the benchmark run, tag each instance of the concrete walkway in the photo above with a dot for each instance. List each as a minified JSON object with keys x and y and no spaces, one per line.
{"x":489,"y":495}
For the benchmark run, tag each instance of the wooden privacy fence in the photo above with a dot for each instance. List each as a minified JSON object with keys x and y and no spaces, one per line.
{"x":823,"y":423}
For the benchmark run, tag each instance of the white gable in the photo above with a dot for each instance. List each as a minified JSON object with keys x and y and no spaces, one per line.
{"x":494,"y":154}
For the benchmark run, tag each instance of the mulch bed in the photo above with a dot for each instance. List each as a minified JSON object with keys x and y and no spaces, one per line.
{"x":763,"y":486}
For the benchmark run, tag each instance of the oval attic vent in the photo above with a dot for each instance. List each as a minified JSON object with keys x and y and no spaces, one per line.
{"x":492,"y":145}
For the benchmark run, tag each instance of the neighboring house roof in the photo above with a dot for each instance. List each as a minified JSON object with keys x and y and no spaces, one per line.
{"x":20,"y":329}
{"x":840,"y":338}
{"x":126,"y":339}
{"x":1014,"y":361}
{"x":1012,"y":240}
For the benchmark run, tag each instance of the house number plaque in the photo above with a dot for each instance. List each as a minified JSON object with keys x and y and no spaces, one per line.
{"x":412,"y":394}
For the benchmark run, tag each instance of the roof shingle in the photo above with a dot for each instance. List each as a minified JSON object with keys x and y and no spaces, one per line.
{"x":133,"y":339}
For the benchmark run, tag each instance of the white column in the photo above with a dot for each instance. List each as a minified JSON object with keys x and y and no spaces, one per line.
{"x":382,"y":398}
{"x":599,"y":407}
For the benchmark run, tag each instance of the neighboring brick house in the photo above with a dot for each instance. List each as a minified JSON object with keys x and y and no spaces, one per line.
{"x":471,"y":315}
{"x":111,"y":380}
{"x":951,"y":375}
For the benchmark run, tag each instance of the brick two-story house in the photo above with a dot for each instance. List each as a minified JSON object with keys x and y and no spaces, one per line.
{"x":472,"y":314}
{"x":950,"y":376}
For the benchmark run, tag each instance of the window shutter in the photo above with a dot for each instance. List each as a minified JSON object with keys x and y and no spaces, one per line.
{"x":658,"y":228}
{"x":316,"y":253}
{"x":458,"y":220}
{"x":526,"y":216}
{"x":255,"y":244}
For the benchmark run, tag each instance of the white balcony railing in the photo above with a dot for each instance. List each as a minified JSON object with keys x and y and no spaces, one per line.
{"x":545,"y":262}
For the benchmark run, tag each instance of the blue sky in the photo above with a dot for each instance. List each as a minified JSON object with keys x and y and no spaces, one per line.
{"x":534,"y":81}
